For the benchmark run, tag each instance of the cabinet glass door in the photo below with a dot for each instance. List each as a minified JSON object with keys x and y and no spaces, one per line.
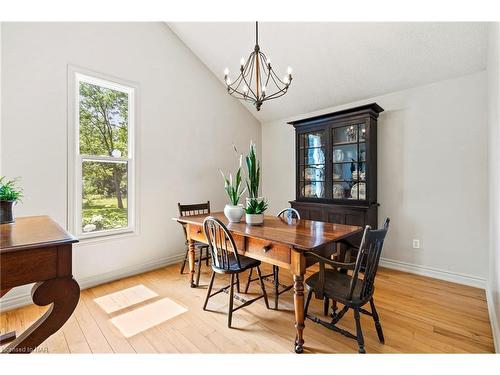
{"x":312,"y":147}
{"x":349,"y":162}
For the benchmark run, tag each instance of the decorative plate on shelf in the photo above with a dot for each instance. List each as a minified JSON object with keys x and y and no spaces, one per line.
{"x":338,"y":191}
{"x":361,"y":186}
{"x":338,"y":155}
{"x":313,"y":174}
{"x":313,"y":190}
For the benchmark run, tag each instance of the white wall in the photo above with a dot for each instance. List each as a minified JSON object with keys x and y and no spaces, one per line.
{"x":493,"y":289}
{"x":432,"y":182}
{"x":186,"y":127}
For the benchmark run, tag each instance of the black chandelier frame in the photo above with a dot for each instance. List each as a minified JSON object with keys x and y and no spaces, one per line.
{"x":257,"y":67}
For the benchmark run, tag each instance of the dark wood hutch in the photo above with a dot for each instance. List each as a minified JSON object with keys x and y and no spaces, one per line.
{"x":336,"y":166}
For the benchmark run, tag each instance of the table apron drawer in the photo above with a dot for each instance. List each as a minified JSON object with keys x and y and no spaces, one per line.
{"x":195,"y":232}
{"x":267,"y":250}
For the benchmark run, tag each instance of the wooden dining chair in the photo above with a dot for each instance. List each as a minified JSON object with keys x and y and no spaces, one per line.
{"x":351,"y":249}
{"x":352,"y":290}
{"x":227,"y":261}
{"x":350,"y":253}
{"x":190,"y":210}
{"x":290,"y":215}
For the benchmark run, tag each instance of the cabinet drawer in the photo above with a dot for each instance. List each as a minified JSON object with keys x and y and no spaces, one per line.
{"x":268,"y":251}
{"x":28,"y":266}
{"x":347,"y":216}
{"x":355,"y":218}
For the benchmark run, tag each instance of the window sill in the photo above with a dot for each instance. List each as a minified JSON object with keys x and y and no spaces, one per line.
{"x":105,"y":236}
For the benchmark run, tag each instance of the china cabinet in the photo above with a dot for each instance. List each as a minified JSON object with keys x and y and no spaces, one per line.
{"x":336,"y":166}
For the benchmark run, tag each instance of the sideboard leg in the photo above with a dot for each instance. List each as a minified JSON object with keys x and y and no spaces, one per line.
{"x":62,"y":294}
{"x":7,"y":337}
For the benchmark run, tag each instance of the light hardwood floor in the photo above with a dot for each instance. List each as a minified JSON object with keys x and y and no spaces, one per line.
{"x":418,"y":315}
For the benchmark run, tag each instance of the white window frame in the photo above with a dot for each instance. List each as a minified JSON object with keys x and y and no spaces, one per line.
{"x":75,"y":159}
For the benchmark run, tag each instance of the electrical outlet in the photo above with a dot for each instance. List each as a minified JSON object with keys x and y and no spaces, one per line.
{"x":416,"y":244}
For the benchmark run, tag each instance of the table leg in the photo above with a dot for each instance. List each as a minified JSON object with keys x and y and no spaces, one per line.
{"x":63,"y":293}
{"x":191,"y":257}
{"x":298,"y":266}
{"x":298,"y":302}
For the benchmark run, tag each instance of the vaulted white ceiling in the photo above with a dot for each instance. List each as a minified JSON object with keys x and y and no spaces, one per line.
{"x":337,"y":63}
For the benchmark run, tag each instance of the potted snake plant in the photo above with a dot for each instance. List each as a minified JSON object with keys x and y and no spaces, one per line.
{"x":256,"y":205}
{"x":233,"y":187}
{"x":10,"y":193}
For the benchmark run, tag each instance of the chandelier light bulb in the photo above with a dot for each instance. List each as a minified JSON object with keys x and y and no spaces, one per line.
{"x":242,"y":61}
{"x":263,"y":88}
{"x":228,"y":81}
{"x":268,"y":62}
{"x":226,"y":72}
{"x":289,"y":70}
{"x":286,"y":80}
{"x":245,"y":89}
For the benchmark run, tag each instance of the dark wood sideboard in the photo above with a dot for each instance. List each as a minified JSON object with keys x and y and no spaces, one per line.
{"x":37,"y":250}
{"x":336,"y":167}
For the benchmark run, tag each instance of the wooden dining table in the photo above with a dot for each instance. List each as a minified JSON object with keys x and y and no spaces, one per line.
{"x":277,"y":241}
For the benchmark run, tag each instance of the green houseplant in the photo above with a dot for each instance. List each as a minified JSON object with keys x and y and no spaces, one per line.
{"x":233,"y":187}
{"x":256,"y":205}
{"x":10,"y":193}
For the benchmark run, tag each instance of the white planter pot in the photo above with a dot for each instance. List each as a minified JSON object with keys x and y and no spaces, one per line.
{"x":254,"y":219}
{"x":234,"y":213}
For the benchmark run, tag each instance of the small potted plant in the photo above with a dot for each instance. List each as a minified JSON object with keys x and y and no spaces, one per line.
{"x":255,"y":205}
{"x":10,"y":193}
{"x":255,"y":211}
{"x":234,"y":211}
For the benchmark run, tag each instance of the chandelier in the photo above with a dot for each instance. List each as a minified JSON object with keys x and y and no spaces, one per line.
{"x":257,"y":81}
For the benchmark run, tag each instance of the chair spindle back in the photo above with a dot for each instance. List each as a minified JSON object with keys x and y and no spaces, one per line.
{"x":366,"y":263}
{"x":221,"y":244}
{"x":191,"y":210}
{"x":288,"y":214}
{"x":367,"y":260}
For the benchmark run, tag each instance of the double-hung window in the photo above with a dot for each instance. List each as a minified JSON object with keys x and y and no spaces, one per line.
{"x":104,"y":156}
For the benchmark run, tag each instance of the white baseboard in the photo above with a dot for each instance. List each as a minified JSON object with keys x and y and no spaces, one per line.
{"x":9,"y":303}
{"x":89,"y":282}
{"x":436,"y":273}
{"x":495,"y":330}
{"x":16,"y":301}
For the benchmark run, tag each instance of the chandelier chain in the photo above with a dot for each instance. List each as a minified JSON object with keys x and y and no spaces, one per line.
{"x":256,"y":33}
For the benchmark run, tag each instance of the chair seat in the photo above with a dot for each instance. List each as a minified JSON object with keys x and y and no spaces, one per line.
{"x":337,"y":286}
{"x":200,"y":244}
{"x":245,"y":262}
